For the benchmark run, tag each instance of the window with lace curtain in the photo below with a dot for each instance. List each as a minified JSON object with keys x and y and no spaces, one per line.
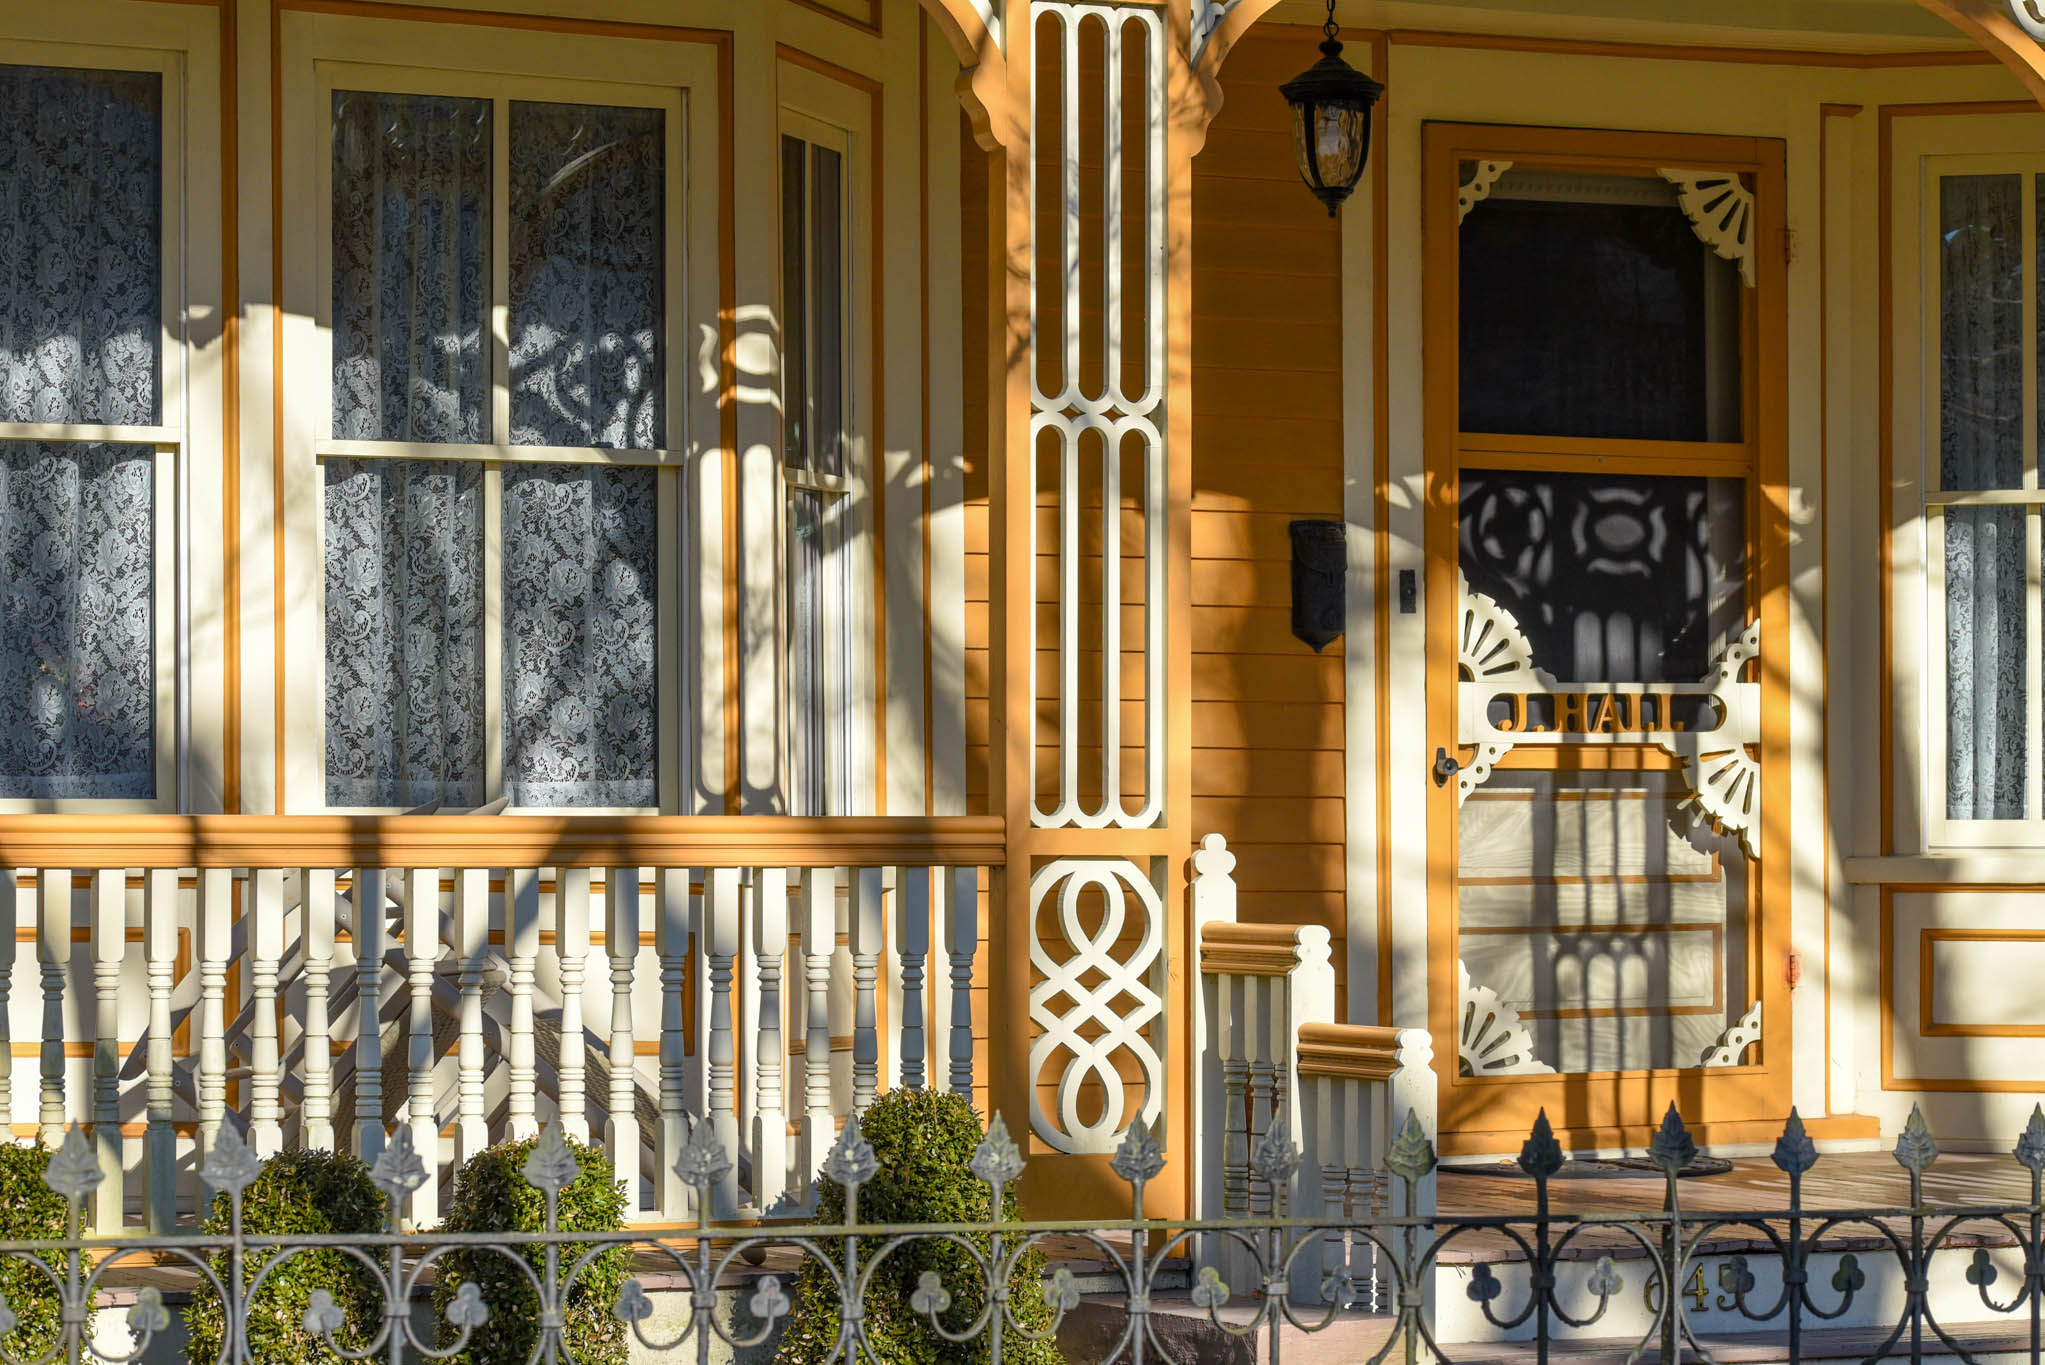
{"x":816,"y":468}
{"x":1983,"y":501}
{"x":90,"y":428}
{"x":497,"y":475}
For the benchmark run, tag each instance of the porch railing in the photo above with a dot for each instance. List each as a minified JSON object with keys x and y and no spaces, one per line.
{"x":472,"y":977}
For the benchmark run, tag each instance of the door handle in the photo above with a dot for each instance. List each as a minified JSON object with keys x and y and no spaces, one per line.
{"x":1445,"y":767}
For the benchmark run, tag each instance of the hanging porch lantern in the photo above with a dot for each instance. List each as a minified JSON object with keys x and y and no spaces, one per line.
{"x":1331,"y":103}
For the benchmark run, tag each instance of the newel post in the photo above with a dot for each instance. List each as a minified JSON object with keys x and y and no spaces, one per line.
{"x":1214,"y":902}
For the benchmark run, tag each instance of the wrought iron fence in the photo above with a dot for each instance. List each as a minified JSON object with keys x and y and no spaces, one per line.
{"x":1351,"y":1263}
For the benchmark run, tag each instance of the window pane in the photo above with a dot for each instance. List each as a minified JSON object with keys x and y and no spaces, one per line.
{"x":1590,"y":308}
{"x":77,"y":629}
{"x":81,"y":246}
{"x":808,"y":702}
{"x":579,"y":630}
{"x":404,"y":570}
{"x":1985,"y":657}
{"x":827,"y":253}
{"x":1981,"y":350}
{"x":586,"y":276}
{"x":794,"y":309}
{"x":411,"y":267}
{"x":1612,"y":578}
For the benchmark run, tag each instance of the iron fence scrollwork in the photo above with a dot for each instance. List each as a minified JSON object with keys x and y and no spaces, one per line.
{"x":713,"y":1262}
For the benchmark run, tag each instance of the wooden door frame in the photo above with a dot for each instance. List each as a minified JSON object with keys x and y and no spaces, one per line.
{"x":1612,"y":1110}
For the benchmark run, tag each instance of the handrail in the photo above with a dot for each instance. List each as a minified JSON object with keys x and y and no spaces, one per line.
{"x":238,"y":841}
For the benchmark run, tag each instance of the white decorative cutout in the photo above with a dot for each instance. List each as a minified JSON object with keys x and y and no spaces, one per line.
{"x":1121,"y":405}
{"x":1735,"y":1040}
{"x":1110,"y":999}
{"x":1491,"y":647}
{"x":1492,"y":1041}
{"x":1478,"y":189}
{"x":1724,"y":777}
{"x":1491,"y":644}
{"x":1721,"y":210}
{"x":1718,"y":763}
{"x":2030,"y":17}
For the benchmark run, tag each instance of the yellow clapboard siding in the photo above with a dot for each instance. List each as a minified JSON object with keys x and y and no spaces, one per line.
{"x":1267,"y":448}
{"x":1236,"y":772}
{"x":1272,"y":819}
{"x":1245,"y":677}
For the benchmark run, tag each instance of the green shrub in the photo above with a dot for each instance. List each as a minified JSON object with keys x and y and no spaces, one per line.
{"x":299,"y":1192}
{"x":491,"y":1194}
{"x":30,"y":1211}
{"x":924,"y":1142}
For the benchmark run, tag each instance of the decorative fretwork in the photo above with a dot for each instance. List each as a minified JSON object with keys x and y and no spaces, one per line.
{"x":1734,"y":1042}
{"x":1098,"y":999}
{"x":1721,"y":209}
{"x":1477,"y":188}
{"x":1119,"y":409}
{"x":1492,"y":1041}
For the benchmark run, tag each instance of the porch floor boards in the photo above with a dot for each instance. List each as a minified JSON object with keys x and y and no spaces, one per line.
{"x":1839,"y":1181}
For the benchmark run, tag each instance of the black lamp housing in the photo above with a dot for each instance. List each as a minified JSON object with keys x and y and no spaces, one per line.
{"x":1331,"y":103}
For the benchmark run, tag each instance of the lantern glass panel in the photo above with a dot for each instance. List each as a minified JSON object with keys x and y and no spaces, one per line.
{"x":1333,"y":154}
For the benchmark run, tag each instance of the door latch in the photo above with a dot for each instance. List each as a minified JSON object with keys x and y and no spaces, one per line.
{"x":1445,"y":767}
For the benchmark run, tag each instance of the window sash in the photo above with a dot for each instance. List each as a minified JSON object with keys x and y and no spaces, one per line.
{"x":503,"y":92}
{"x":817,"y":474}
{"x":668,"y":460}
{"x":167,"y":437}
{"x":1937,"y":503}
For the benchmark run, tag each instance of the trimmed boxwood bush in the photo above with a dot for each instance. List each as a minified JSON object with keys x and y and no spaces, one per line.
{"x":924,"y":1141}
{"x":30,"y":1211}
{"x":299,"y":1192}
{"x":491,"y":1195}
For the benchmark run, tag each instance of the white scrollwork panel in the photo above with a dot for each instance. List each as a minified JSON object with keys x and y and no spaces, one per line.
{"x":1095,"y":1006}
{"x":1718,"y":763}
{"x":2030,"y":17}
{"x":1119,"y":410}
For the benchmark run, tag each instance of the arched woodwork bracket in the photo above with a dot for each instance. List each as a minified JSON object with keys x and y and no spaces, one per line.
{"x":973,"y":28}
{"x":1996,"y":26}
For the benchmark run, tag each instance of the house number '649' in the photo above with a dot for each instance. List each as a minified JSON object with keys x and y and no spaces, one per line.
{"x":1697,"y":1289}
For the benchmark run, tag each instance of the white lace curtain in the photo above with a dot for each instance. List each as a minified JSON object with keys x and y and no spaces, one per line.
{"x":411,"y":267}
{"x":579,"y":605}
{"x":407,"y":649}
{"x":1981,"y":445}
{"x":81,"y":275}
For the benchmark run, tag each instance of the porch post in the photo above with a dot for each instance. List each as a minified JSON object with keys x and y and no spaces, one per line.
{"x":1092,"y":488}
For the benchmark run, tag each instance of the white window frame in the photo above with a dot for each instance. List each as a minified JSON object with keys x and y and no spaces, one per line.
{"x":830,"y":114}
{"x":679,"y":79}
{"x":1995,"y":144}
{"x":184,"y":54}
